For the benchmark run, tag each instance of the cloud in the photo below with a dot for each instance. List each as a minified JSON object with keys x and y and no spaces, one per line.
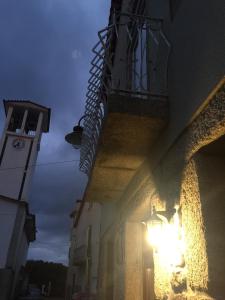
{"x":37,"y":49}
{"x":48,"y":246}
{"x":76,"y":54}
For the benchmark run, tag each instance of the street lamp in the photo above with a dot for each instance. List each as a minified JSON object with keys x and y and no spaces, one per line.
{"x":75,"y":137}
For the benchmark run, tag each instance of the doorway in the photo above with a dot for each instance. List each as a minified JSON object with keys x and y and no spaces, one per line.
{"x":211,"y":175}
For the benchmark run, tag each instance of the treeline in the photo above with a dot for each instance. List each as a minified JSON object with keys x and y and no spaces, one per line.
{"x":41,"y":272}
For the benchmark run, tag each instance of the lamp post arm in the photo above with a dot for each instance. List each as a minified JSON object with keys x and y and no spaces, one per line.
{"x":85,"y":115}
{"x":81,"y":119}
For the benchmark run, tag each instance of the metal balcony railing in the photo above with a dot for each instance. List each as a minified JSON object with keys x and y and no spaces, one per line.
{"x":130,"y":58}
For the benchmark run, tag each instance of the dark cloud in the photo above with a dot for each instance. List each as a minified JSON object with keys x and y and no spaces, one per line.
{"x":61,"y":188}
{"x":45,"y":56}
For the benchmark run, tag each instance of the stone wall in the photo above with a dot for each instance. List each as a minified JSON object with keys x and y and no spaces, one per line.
{"x":192,"y":222}
{"x":174,"y":181}
{"x":178,"y":183}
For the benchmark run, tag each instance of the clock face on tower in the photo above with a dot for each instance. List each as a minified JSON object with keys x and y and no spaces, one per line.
{"x":18,"y":144}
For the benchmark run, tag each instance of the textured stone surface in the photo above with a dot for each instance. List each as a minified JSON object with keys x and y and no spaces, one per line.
{"x":175,"y":181}
{"x":209,"y":125}
{"x":180,"y":183}
{"x":192,"y":221}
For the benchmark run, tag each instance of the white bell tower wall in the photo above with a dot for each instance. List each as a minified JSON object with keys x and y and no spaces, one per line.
{"x":19,"y":147}
{"x":13,"y":166}
{"x":31,"y":162}
{"x":8,"y":212}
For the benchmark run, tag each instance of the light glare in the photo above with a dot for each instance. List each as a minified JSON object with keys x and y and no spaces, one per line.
{"x":167,"y":241}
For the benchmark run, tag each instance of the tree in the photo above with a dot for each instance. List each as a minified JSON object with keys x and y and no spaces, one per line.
{"x":41,"y":272}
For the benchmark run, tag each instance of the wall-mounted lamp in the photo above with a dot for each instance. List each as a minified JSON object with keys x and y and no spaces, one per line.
{"x":164,"y":234}
{"x":161,"y":216}
{"x":156,"y":225}
{"x":75,"y":137}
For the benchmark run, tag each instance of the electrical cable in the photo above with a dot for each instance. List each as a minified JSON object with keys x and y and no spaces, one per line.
{"x":42,"y":164}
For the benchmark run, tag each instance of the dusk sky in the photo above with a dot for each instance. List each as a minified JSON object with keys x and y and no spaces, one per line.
{"x":45,"y":57}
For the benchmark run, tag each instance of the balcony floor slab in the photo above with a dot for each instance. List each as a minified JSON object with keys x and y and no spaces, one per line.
{"x":130,"y":129}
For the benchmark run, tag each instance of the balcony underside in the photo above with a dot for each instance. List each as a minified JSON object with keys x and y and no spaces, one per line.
{"x":130,"y":128}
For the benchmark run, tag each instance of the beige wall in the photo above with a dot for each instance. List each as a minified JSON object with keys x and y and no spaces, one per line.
{"x":196,"y":62}
{"x":90,"y":216}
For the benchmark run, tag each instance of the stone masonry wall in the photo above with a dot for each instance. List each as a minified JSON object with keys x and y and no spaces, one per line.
{"x":175,"y":181}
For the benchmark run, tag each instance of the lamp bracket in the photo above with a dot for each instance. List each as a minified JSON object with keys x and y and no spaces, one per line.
{"x":168,"y":214}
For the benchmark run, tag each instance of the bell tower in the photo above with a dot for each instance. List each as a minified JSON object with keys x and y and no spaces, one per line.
{"x":25,"y":122}
{"x":19,"y":146}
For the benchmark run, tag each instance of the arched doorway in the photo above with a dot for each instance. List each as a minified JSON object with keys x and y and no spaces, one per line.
{"x":210,"y":162}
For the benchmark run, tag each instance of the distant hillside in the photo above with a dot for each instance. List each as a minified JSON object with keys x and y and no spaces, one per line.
{"x":41,"y":272}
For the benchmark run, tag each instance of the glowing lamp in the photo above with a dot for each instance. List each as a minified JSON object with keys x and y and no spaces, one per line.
{"x":155,"y":227}
{"x":164,"y":234}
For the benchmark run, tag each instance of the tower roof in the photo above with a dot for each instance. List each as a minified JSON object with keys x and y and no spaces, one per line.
{"x":32,"y":106}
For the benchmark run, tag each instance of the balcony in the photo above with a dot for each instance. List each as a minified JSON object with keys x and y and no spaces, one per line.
{"x":126,"y":106}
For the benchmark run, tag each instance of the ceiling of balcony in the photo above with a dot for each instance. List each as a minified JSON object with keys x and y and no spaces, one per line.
{"x":130,"y":128}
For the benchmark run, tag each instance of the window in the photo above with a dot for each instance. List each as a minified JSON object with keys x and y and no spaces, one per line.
{"x":139,"y":61}
{"x":31,"y":122}
{"x":137,"y":48}
{"x":16,"y":120}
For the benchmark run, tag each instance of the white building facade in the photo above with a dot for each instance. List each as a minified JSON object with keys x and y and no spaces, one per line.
{"x":82,"y":277}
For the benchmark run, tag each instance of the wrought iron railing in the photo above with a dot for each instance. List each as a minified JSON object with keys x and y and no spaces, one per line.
{"x":130,"y":57}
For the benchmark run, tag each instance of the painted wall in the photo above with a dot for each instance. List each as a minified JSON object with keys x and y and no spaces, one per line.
{"x":90,"y":216}
{"x":8,"y":212}
{"x":22,"y":251}
{"x":107,"y":216}
{"x":20,"y":261}
{"x":196,"y":62}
